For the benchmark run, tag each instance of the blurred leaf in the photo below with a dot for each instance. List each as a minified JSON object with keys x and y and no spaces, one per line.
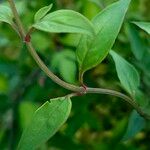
{"x":67,"y":70}
{"x":119,"y":130}
{"x":64,"y":61}
{"x":45,"y":123}
{"x":127,"y":74}
{"x":137,"y":46}
{"x":21,"y":7}
{"x":43,"y":42}
{"x":3,"y":41}
{"x":143,"y":25}
{"x":6,"y":14}
{"x":90,"y":9}
{"x":91,"y":52}
{"x":65,"y":21}
{"x":70,"y":40}
{"x":42,"y":12}
{"x":141,"y":98}
{"x":2,"y":133}
{"x":25,"y":117}
{"x":7,"y":67}
{"x":135,"y":125}
{"x":5,"y":103}
{"x":98,"y":3}
{"x":3,"y":84}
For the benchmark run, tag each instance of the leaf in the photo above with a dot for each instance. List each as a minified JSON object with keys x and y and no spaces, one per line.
{"x":98,"y":3}
{"x":64,"y":62}
{"x":6,"y":14}
{"x":91,"y":51}
{"x":137,"y":46}
{"x":45,"y":123}
{"x":42,"y":12}
{"x":127,"y":74}
{"x":65,"y":21}
{"x":143,"y":25}
{"x":135,"y":125}
{"x":68,"y":70}
{"x":21,"y":7}
{"x":70,"y":40}
{"x":4,"y":84}
{"x":24,"y":117}
{"x":90,"y":9}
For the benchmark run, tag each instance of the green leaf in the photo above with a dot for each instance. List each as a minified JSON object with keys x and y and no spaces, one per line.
{"x":137,"y":46}
{"x":98,"y":3}
{"x":42,"y":12}
{"x":64,"y":62}
{"x":68,"y":70}
{"x":65,"y":21}
{"x":90,"y":9}
{"x":127,"y":74}
{"x":143,"y":25}
{"x":135,"y":125}
{"x":70,"y":40}
{"x":25,"y":117}
{"x":6,"y":14}
{"x":45,"y":123}
{"x":91,"y":52}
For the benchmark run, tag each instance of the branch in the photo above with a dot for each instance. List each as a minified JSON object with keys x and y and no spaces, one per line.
{"x":77,"y":89}
{"x":35,"y":55}
{"x":129,"y":100}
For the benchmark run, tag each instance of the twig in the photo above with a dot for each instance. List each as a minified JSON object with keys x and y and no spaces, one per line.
{"x":60,"y":82}
{"x":35,"y":55}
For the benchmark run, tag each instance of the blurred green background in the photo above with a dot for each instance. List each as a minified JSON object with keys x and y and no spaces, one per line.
{"x":97,"y":122}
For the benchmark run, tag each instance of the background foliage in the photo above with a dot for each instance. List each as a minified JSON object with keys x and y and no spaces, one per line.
{"x":96,"y":121}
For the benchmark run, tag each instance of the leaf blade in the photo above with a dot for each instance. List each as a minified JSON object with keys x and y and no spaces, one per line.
{"x":45,"y":122}
{"x":65,"y":21}
{"x":65,"y":63}
{"x":92,"y":54}
{"x":42,"y":12}
{"x":136,"y":124}
{"x":137,"y":45}
{"x":127,"y":74}
{"x":143,"y":25}
{"x":6,"y":14}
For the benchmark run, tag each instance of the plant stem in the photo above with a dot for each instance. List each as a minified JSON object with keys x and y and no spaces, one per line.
{"x":17,"y":19}
{"x":129,"y":100}
{"x":60,"y":82}
{"x":35,"y":55}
